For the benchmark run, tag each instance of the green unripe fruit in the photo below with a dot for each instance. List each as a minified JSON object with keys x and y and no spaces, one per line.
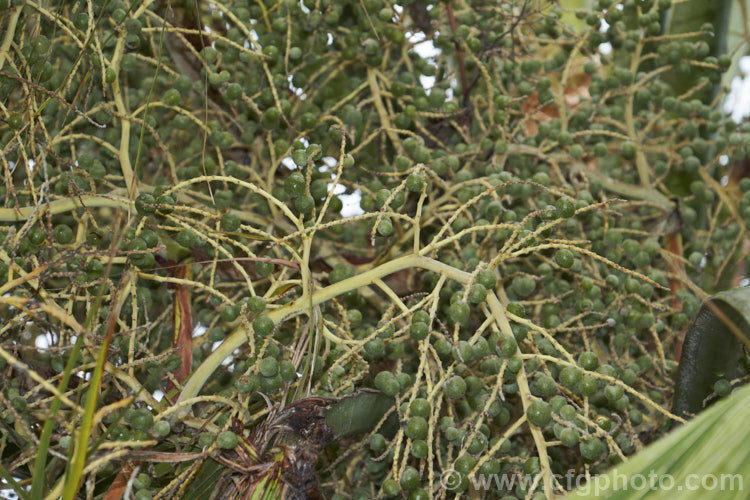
{"x":487,"y":279}
{"x":565,"y":208}
{"x":263,"y":325}
{"x":264,"y":268}
{"x":508,"y":346}
{"x":416,"y":428}
{"x":386,"y":382}
{"x":588,"y":385}
{"x":454,"y":387}
{"x":588,"y":360}
{"x":570,"y":376}
{"x":304,"y":204}
{"x":145,"y":204}
{"x":256,"y":304}
{"x":414,"y":183}
{"x":165,"y":202}
{"x":230,"y":222}
{"x":377,"y":442}
{"x":722,"y":387}
{"x":539,"y":413}
{"x":206,"y":439}
{"x":227,"y":440}
{"x":569,"y":437}
{"x":295,"y":185}
{"x":391,"y":487}
{"x":62,"y":234}
{"x":37,"y":235}
{"x":375,"y":348}
{"x":287,"y":371}
{"x":419,"y":331}
{"x":172,"y":97}
{"x":187,"y":238}
{"x":409,"y":478}
{"x":478,"y":293}
{"x":564,"y":258}
{"x":420,"y":407}
{"x":143,"y":420}
{"x":459,"y":312}
{"x":613,"y":392}
{"x":592,"y":449}
{"x":269,"y":367}
{"x":523,"y":286}
{"x":15,"y":120}
{"x":419,"y":449}
{"x":628,"y":149}
{"x":421,"y":317}
{"x":385,"y":226}
{"x":162,"y":428}
{"x":229,"y":313}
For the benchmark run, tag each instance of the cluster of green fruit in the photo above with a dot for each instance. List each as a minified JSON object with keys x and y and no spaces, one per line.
{"x":228,"y":154}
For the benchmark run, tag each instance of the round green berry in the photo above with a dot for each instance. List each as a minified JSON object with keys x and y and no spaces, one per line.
{"x":628,"y":149}
{"x":409,"y":478}
{"x":523,"y":286}
{"x":205,"y":439}
{"x":722,"y":387}
{"x":564,"y":258}
{"x":269,"y":367}
{"x":145,"y":204}
{"x":386,"y":382}
{"x":419,"y":331}
{"x":570,"y":376}
{"x":264,"y":268}
{"x":187,"y":238}
{"x":565,"y":208}
{"x":416,"y":428}
{"x":230,"y":222}
{"x":227,"y":440}
{"x":588,"y":385}
{"x":613,"y":392}
{"x":569,"y":437}
{"x":478,"y":293}
{"x":162,"y":428}
{"x":421,"y":317}
{"x":391,"y":487}
{"x":263,"y":325}
{"x":459,"y":311}
{"x":287,"y":371}
{"x":588,"y":360}
{"x":15,"y":120}
{"x":419,"y":448}
{"x":37,"y":236}
{"x":414,"y":182}
{"x":385,"y":226}
{"x":592,"y":449}
{"x":172,"y":97}
{"x":256,"y":304}
{"x":508,"y":346}
{"x":304,"y":203}
{"x":454,"y":387}
{"x":295,"y":185}
{"x":229,"y":313}
{"x":142,"y":420}
{"x":487,"y":279}
{"x":420,"y":407}
{"x":377,"y":442}
{"x":62,"y":234}
{"x":539,"y":413}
